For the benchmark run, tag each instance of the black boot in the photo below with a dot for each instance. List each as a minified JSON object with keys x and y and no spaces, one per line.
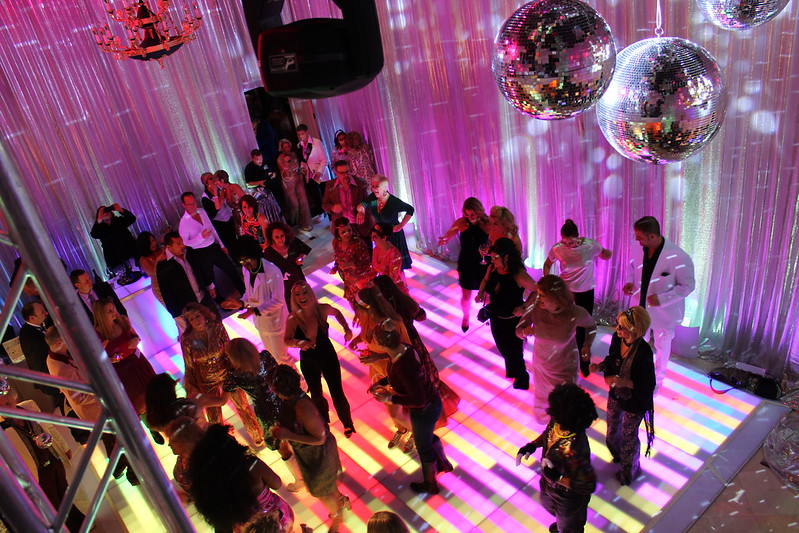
{"x":429,"y":485}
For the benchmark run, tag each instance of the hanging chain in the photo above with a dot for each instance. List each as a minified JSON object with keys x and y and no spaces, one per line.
{"x":659,"y":21}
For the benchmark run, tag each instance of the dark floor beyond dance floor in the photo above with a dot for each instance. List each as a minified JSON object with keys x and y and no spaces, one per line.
{"x":702,"y":438}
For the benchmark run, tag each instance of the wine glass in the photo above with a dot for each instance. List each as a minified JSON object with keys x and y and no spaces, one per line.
{"x":484,"y":249}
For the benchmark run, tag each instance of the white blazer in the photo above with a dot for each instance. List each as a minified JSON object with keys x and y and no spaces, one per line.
{"x":317,"y":161}
{"x":672,"y":280}
{"x":267,"y":295}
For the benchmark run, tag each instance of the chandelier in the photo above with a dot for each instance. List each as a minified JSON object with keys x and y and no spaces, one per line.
{"x":151,"y":35}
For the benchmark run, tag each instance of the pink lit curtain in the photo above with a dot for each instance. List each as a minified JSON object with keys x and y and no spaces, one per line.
{"x":85,"y":130}
{"x":442,"y":132}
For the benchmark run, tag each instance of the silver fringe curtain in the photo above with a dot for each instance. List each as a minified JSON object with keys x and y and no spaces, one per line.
{"x":88,"y":130}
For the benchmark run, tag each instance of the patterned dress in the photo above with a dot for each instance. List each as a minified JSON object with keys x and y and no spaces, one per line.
{"x":389,"y":263}
{"x":362,"y":162}
{"x":266,"y":402}
{"x":319,"y":464}
{"x":207,"y":367}
{"x":252,"y":228}
{"x":352,"y":264}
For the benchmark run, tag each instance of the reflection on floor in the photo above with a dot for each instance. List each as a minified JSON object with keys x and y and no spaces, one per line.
{"x":487,"y":492}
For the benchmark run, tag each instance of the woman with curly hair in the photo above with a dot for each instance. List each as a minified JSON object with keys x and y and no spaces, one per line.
{"x":502,"y":223}
{"x":297,"y":211}
{"x":473,"y":229}
{"x":230,"y":486}
{"x":630,"y":373}
{"x":552,"y":320}
{"x":303,"y":430}
{"x":207,"y":366}
{"x":288,"y":253}
{"x":567,"y":479}
{"x":361,"y":157}
{"x":352,"y":259}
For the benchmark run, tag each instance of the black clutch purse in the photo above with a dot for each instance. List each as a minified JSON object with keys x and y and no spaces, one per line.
{"x":483,"y":314}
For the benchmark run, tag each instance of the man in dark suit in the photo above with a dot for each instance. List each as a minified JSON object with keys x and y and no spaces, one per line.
{"x":34,"y":346}
{"x":89,"y":292}
{"x":180,"y":280}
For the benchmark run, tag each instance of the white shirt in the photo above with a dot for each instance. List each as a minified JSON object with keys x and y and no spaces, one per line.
{"x":317,"y":160}
{"x":577,"y":264}
{"x":191,"y":231}
{"x":88,"y":299}
{"x":189,"y":274}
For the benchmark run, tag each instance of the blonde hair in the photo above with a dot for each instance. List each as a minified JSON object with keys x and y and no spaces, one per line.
{"x":104,"y":325}
{"x":241,"y":351}
{"x":635,"y":320}
{"x":506,"y":220}
{"x":315,"y":312}
{"x":380,"y":179}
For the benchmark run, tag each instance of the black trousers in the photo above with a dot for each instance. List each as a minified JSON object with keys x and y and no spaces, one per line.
{"x":53,"y":481}
{"x":212,"y":256}
{"x":314,"y":364}
{"x":586,"y":301}
{"x":226,"y":231}
{"x":509,"y":345}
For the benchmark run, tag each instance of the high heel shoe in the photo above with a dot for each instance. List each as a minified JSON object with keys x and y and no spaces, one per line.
{"x":337,"y":518}
{"x":395,"y":439}
{"x":349,"y":431}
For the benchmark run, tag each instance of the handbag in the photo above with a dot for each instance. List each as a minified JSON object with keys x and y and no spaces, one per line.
{"x":449,"y":400}
{"x":764,"y":386}
{"x":483,"y":314}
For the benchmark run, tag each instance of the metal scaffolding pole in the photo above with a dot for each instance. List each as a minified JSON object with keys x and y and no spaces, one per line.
{"x":27,"y":233}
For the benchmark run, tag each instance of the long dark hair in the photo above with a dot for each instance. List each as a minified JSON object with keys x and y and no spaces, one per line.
{"x":506,"y":249}
{"x":218,"y":471}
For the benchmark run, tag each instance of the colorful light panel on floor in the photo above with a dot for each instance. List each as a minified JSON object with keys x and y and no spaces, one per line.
{"x":487,"y":492}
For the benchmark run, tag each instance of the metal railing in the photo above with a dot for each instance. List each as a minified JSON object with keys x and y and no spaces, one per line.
{"x":22,"y":501}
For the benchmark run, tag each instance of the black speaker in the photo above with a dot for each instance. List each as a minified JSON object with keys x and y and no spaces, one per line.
{"x":320,"y":58}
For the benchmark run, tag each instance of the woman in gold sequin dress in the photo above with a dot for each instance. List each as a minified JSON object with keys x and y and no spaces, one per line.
{"x":207,"y":366}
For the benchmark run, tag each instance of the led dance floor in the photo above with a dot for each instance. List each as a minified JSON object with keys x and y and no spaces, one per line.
{"x":486,"y":492}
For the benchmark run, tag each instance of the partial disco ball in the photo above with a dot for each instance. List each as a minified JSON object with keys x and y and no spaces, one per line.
{"x":741,"y":15}
{"x":666,"y":101}
{"x":554,"y":58}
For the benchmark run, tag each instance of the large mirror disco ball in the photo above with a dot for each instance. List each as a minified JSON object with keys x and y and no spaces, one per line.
{"x":740,"y":15}
{"x":554,"y":58}
{"x":666,"y":101}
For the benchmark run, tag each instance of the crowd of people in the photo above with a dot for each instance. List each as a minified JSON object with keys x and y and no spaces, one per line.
{"x":194,"y":275}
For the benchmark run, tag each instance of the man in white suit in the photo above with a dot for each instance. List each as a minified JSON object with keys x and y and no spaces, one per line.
{"x":313,"y":157}
{"x":659,"y":279}
{"x":264,"y":297}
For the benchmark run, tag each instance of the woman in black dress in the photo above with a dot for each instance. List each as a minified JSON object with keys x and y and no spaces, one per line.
{"x":386,"y":208}
{"x":503,"y":288}
{"x":630,"y":373}
{"x":473,"y":230}
{"x":287,"y":253}
{"x":307,"y":329}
